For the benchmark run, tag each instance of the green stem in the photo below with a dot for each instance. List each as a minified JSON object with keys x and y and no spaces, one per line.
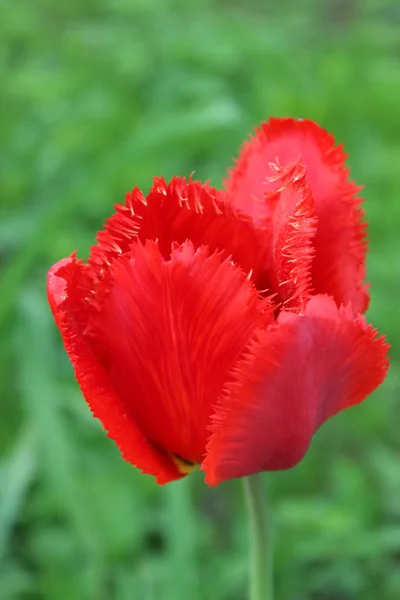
{"x":261,"y":587}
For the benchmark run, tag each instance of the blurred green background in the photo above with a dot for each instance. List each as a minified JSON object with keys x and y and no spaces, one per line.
{"x":100,"y":95}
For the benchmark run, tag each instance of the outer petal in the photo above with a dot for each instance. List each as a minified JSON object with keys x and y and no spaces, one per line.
{"x":296,"y":374}
{"x":294,"y":227}
{"x":339,"y":265}
{"x":172,"y":330}
{"x":174,"y":213}
{"x":66,"y":293}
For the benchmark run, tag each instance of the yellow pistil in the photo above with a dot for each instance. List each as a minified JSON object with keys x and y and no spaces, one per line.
{"x":184,"y":466}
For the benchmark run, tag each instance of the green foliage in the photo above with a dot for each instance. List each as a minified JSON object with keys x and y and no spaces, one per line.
{"x":99,"y":96}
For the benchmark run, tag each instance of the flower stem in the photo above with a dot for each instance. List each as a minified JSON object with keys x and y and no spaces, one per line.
{"x":261,"y":587}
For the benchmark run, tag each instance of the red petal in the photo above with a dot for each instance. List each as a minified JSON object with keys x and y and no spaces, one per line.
{"x":294,"y":227}
{"x":339,"y":265}
{"x":65,"y":285}
{"x":172,"y":331}
{"x":174,"y":213}
{"x":295,"y":375}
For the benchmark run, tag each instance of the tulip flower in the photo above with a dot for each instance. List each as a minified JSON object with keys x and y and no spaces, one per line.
{"x":220,"y":329}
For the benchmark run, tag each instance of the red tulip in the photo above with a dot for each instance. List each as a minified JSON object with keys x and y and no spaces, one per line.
{"x":222,"y":329}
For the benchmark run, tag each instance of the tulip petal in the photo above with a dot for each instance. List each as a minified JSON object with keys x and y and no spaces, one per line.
{"x":295,"y":375}
{"x":340,"y":247}
{"x":173,"y":213}
{"x":67,"y":297}
{"x":294,"y":227}
{"x":172,"y":330}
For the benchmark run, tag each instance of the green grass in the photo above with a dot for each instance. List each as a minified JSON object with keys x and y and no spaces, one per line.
{"x":98,"y":96}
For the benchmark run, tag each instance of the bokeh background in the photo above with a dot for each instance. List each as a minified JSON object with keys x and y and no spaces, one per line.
{"x":96,"y":97}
